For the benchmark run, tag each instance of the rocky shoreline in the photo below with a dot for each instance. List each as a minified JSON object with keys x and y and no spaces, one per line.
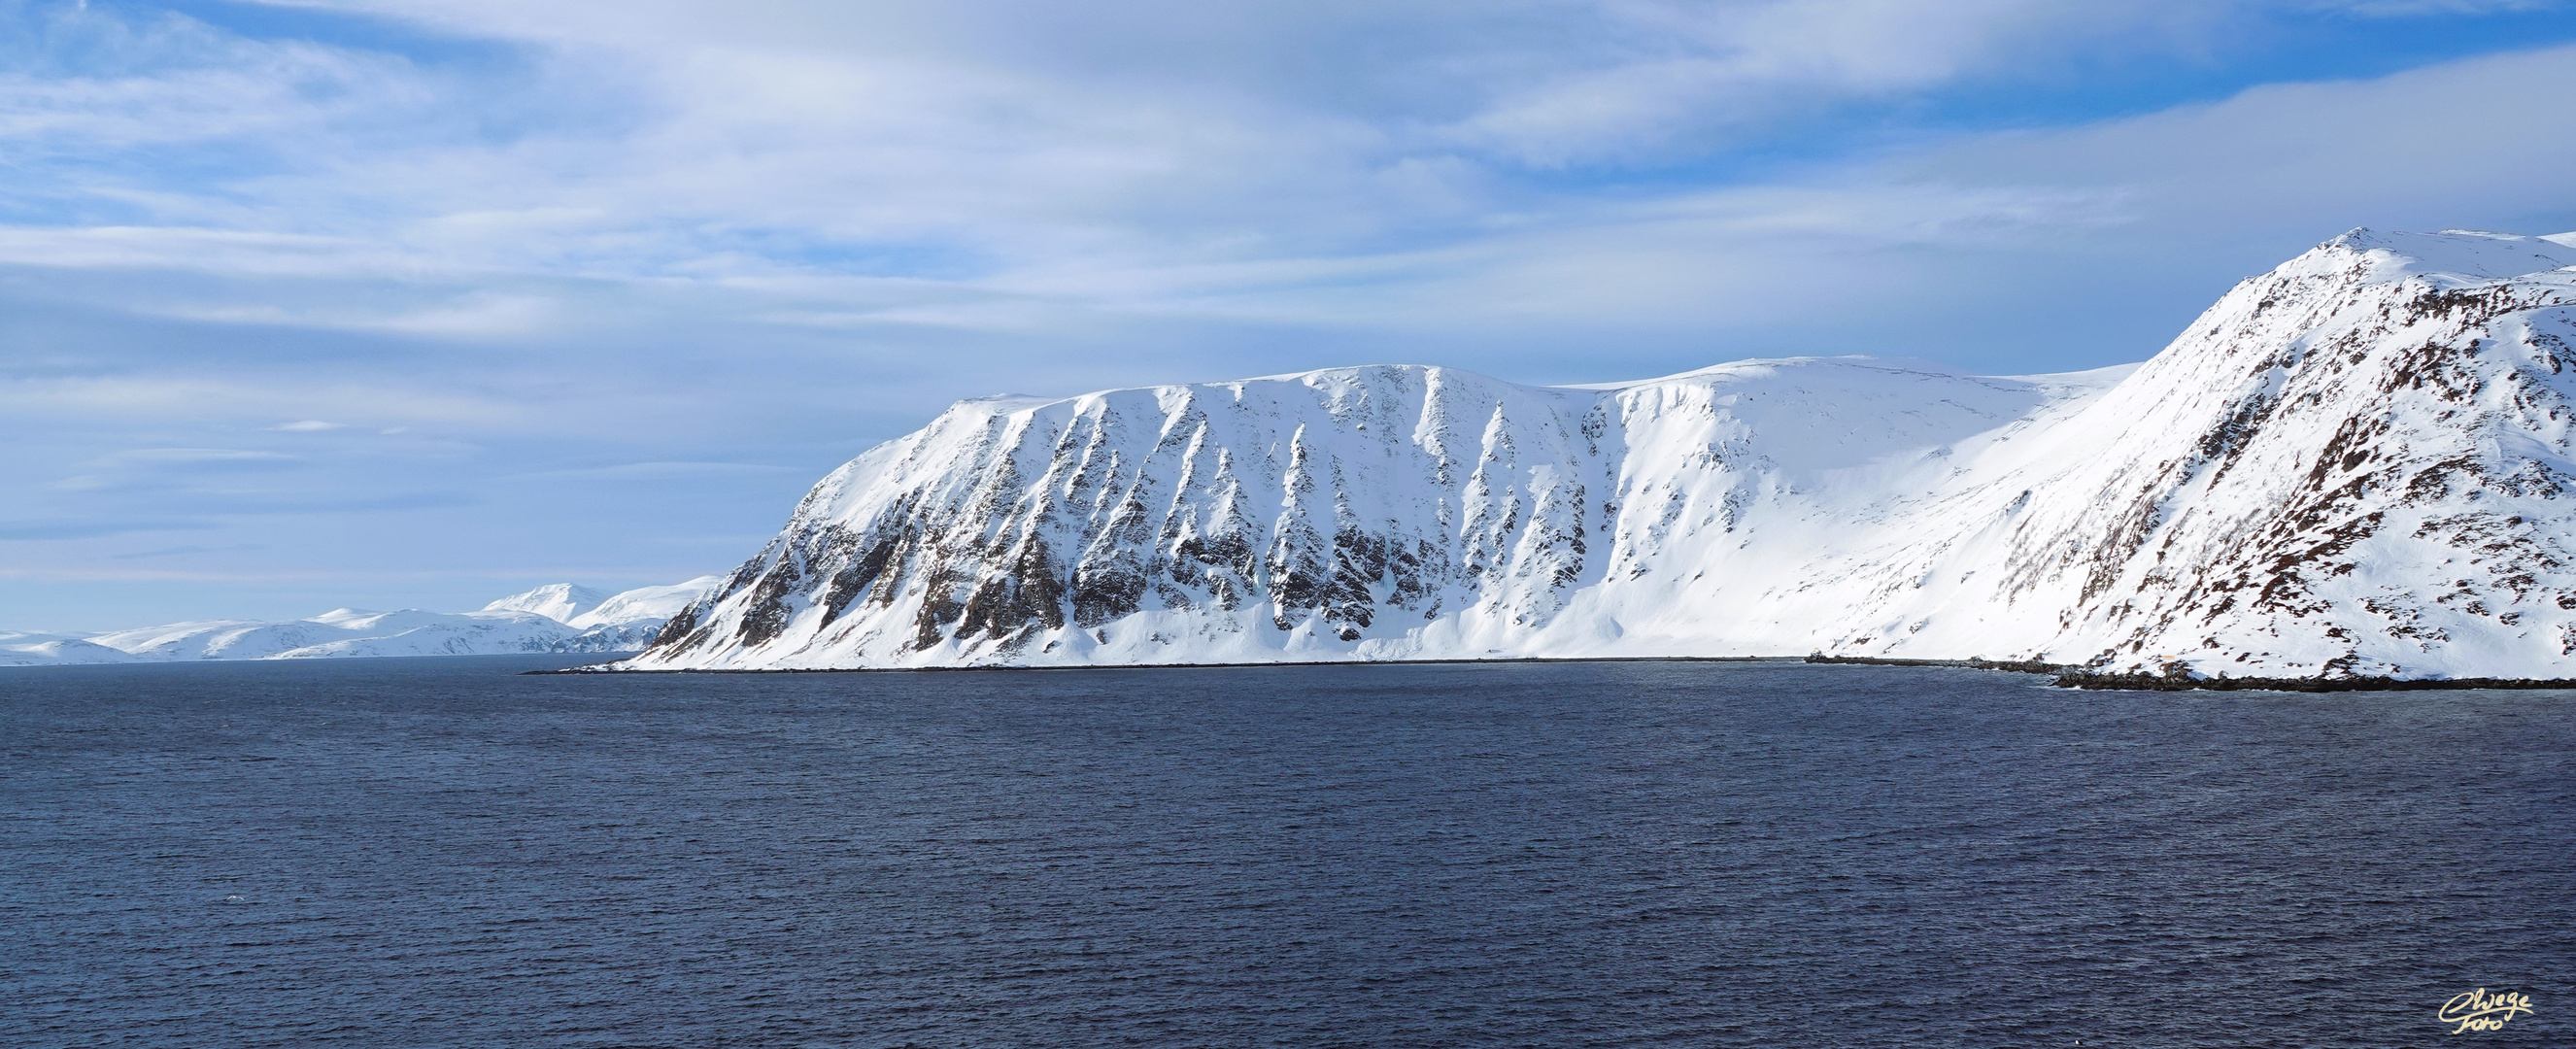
{"x":2062,"y":675}
{"x":2069,"y":676}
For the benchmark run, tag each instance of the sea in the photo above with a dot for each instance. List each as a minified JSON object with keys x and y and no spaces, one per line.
{"x":453,"y":852}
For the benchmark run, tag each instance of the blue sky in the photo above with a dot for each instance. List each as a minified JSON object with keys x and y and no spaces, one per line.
{"x":401,"y":303}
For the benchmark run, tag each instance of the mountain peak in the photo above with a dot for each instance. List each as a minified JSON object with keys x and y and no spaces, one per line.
{"x":2477,"y":255}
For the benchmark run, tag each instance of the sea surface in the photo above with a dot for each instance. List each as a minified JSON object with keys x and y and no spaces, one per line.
{"x":447,"y":852}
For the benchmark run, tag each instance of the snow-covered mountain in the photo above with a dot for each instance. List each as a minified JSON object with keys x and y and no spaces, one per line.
{"x":2357,"y":463}
{"x":560,"y":602}
{"x":352,"y":632}
{"x":590,"y":621}
{"x":20,"y":648}
{"x":646,"y":604}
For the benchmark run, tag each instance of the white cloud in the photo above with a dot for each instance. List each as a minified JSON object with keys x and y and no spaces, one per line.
{"x":2242,"y":183}
{"x":2411,"y":8}
{"x":195,"y":457}
{"x":474,"y":315}
{"x":176,"y":397}
{"x":1690,"y":71}
{"x":2481,"y":140}
{"x":992,"y":146}
{"x":700,"y":140}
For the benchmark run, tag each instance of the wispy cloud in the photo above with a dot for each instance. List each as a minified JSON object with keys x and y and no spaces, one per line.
{"x":658,"y":471}
{"x":183,"y":551}
{"x":95,"y":528}
{"x":955,"y":141}
{"x":201,"y":458}
{"x":2418,"y":8}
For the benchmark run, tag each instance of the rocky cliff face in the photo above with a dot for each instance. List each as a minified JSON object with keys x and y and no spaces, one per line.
{"x":2358,"y":463}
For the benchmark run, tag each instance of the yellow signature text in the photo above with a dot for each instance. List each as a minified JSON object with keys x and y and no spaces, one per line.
{"x":2480,"y":1011}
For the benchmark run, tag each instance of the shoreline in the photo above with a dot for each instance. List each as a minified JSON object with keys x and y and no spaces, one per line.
{"x":1185,"y":666}
{"x":2063,"y":675}
{"x":2069,"y":676}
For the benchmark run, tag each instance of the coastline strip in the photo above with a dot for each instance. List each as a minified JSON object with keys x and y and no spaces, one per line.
{"x":1181,"y":666}
{"x":2077,"y":677}
{"x":2064,"y":675}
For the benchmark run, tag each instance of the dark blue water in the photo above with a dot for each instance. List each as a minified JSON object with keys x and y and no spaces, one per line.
{"x":443,"y":853}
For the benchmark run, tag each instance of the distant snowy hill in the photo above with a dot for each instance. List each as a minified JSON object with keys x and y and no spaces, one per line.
{"x":589,"y":621}
{"x":18,"y":648}
{"x":560,"y":602}
{"x":2358,"y":463}
{"x":650,"y":604}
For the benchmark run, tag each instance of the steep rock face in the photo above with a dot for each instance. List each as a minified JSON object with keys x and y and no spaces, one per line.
{"x":2357,"y":463}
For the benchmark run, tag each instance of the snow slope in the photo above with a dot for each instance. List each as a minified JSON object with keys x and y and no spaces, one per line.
{"x":351,"y":632}
{"x":2357,"y":463}
{"x":22,"y":649}
{"x":561,"y":602}
{"x":589,"y":621}
{"x":652,"y":604}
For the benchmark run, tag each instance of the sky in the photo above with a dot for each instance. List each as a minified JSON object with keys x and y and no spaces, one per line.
{"x":415,"y":303}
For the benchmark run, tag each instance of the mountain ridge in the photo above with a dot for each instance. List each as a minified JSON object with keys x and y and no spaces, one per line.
{"x":2353,"y":464}
{"x":557,"y":617}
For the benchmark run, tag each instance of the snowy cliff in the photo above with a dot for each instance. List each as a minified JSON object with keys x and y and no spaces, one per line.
{"x":2357,"y":463}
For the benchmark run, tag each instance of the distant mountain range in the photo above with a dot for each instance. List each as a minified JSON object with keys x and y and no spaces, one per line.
{"x":558,"y":617}
{"x":2358,"y":463}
